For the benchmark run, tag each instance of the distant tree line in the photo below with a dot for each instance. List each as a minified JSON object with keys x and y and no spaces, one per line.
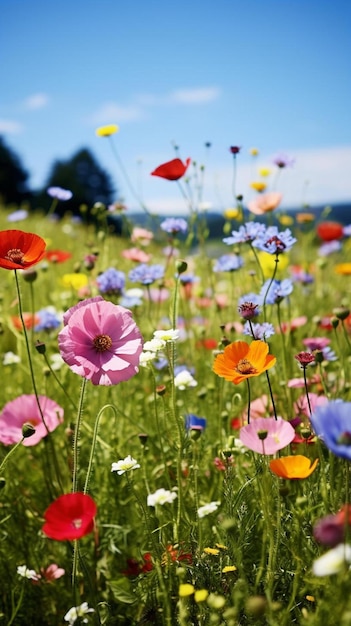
{"x":81,"y":174}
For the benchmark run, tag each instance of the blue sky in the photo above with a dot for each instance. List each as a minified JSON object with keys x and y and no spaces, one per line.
{"x":273,"y":75}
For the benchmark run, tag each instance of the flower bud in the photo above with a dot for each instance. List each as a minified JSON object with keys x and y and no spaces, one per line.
{"x":181,"y":266}
{"x":27,"y":430}
{"x":40,"y":347}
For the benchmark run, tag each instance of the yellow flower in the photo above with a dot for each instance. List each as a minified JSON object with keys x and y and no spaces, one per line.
{"x":232,"y":214}
{"x":253,"y":151}
{"x":74,"y":281}
{"x":311,"y":598}
{"x":107,"y":131}
{"x":264,"y":171}
{"x":229,"y":568}
{"x":200,"y":595}
{"x":186,"y":590}
{"x":258,"y":186}
{"x":343,"y":268}
{"x":221,"y":546}
{"x":286,"y":220}
{"x":213,"y":551}
{"x":267,"y":262}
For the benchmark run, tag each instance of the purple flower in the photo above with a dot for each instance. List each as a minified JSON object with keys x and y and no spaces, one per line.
{"x":246,"y":233}
{"x":100,"y":341}
{"x":274,"y":291}
{"x":228,"y":263}
{"x":316,"y":343}
{"x":329,"y":247}
{"x":347,"y":230}
{"x":275,"y":242}
{"x":300,"y":276}
{"x":146,"y":274}
{"x":332,"y":423}
{"x":259,"y":331}
{"x":174,"y":225}
{"x":48,"y":320}
{"x":282,"y":160}
{"x":17,"y":216}
{"x":249,"y":308}
{"x":59,"y":194}
{"x":330,"y":530}
{"x":111,"y":281}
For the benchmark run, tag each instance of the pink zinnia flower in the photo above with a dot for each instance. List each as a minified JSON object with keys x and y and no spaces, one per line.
{"x":100,"y":341}
{"x":267,"y":435}
{"x":137,"y":255}
{"x":25,"y":410}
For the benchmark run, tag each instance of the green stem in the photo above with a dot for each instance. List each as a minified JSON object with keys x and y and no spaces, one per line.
{"x":9,"y":454}
{"x":93,"y":444}
{"x":76,"y":437}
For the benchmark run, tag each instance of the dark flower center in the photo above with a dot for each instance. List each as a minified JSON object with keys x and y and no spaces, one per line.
{"x":280,"y":245}
{"x":102,"y":343}
{"x":15,"y":255}
{"x":245,"y":367}
{"x":345,"y":439}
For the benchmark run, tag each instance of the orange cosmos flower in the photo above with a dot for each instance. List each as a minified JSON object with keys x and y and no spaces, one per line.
{"x":241,"y":360}
{"x":20,"y":250}
{"x":293,"y":467}
{"x":265,"y":203}
{"x":343,"y":268}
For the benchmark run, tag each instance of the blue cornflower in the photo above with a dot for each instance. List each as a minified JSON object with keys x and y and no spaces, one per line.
{"x":228,"y":263}
{"x":246,"y":233}
{"x":111,"y":281}
{"x":48,"y":319}
{"x":259,"y":331}
{"x":188,"y":279}
{"x":275,"y":242}
{"x":146,"y":274}
{"x":274,"y":291}
{"x":18,"y":216}
{"x":174,"y":225}
{"x":328,"y":354}
{"x":193,"y":422}
{"x":130,"y":301}
{"x":332,"y":423}
{"x":347,"y":231}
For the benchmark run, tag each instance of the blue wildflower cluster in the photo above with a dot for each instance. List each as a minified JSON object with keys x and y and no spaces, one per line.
{"x":111,"y":282}
{"x":174,"y":225}
{"x":146,"y":274}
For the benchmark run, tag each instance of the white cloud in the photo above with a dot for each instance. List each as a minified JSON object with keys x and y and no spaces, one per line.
{"x":111,"y":112}
{"x":195,"y":96}
{"x":36,"y":101}
{"x":10,"y":127}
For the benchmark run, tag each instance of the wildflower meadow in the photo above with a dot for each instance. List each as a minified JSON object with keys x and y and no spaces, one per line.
{"x":175,"y":419}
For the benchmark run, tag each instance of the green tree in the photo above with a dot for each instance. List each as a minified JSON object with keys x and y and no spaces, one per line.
{"x":84,"y":177}
{"x":13,"y":177}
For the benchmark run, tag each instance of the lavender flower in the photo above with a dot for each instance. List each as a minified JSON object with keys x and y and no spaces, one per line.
{"x":17,"y":216}
{"x":146,"y":274}
{"x":246,"y":233}
{"x":259,"y":331}
{"x":275,"y":242}
{"x":329,"y":247}
{"x":111,"y":281}
{"x":174,"y":225}
{"x":228,"y":263}
{"x":274,"y":291}
{"x":59,"y":194}
{"x":282,"y":160}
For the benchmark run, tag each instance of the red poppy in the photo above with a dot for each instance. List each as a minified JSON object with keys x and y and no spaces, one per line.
{"x":329,"y":231}
{"x":70,"y":517}
{"x":207,"y":344}
{"x":20,"y":250}
{"x":172,"y":170}
{"x":57,"y":256}
{"x":135,"y":567}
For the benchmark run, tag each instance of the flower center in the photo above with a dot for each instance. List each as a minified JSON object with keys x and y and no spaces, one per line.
{"x":15,"y":255}
{"x":102,"y":343}
{"x":245,"y":367}
{"x":345,"y":439}
{"x":280,"y":245}
{"x":77,"y":523}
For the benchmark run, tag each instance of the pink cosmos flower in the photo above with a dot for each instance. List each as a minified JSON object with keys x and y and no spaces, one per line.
{"x":265,"y":203}
{"x":301,"y":407}
{"x":100,"y":341}
{"x":137,"y":255}
{"x":258,"y":408}
{"x":299,"y":383}
{"x":267,"y":435}
{"x":316,"y":343}
{"x":52,"y":572}
{"x":25,"y":410}
{"x":141,"y":236}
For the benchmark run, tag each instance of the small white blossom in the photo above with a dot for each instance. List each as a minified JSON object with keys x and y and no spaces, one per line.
{"x":146,"y":357}
{"x":56,"y":361}
{"x":125,"y":465}
{"x":161,"y":496}
{"x":333,"y":561}
{"x":154,"y":345}
{"x":134,"y":292}
{"x":206,"y":509}
{"x":10,"y":358}
{"x":167,"y":335}
{"x":184,"y":379}
{"x":23,"y":570}
{"x":78,"y":611}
